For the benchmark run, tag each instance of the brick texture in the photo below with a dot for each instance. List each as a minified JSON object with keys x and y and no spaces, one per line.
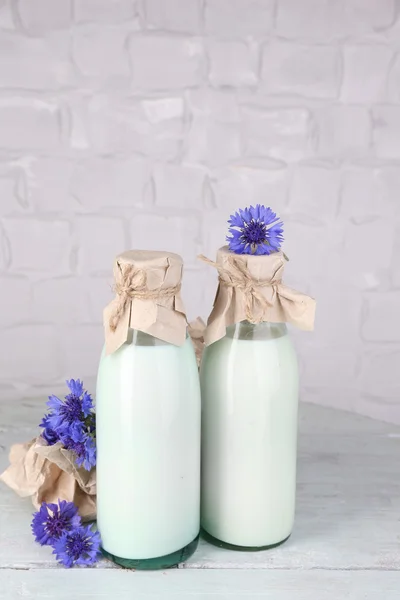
{"x":366,"y":69}
{"x":100,"y":183}
{"x":44,"y":16}
{"x":104,"y":11}
{"x":35,"y":63}
{"x":232,"y":63}
{"x":278,"y":133}
{"x":162,"y":62}
{"x":146,"y":123}
{"x":184,"y":16}
{"x":152,"y":126}
{"x":100,"y":55}
{"x":239,"y":17}
{"x":386,"y":133}
{"x":312,"y":71}
{"x":27,"y":124}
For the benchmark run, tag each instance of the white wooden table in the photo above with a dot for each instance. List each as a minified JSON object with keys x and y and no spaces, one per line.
{"x":345,"y":545}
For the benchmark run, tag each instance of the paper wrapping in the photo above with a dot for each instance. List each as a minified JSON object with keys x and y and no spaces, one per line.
{"x":250,"y":288}
{"x":49,"y":473}
{"x":147,"y":298}
{"x":196,"y":331}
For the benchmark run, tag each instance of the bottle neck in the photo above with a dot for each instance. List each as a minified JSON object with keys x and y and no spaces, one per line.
{"x":256,"y":331}
{"x":140,"y":338}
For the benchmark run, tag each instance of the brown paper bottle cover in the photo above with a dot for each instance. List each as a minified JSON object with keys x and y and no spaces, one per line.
{"x":147,"y":286}
{"x":250,"y":288}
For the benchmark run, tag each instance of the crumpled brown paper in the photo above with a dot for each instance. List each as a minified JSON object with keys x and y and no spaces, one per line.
{"x":147,"y":298}
{"x":196,"y":331}
{"x":49,"y":473}
{"x":250,"y":288}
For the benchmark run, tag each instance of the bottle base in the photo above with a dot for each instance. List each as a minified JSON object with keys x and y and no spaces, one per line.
{"x":216,"y":542}
{"x":152,"y":564}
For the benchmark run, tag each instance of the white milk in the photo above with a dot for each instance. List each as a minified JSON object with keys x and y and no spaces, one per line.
{"x":148,"y":444}
{"x":250,"y":398}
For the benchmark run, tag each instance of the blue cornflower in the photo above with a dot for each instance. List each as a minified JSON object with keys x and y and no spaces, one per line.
{"x":80,"y":546}
{"x":48,"y":433}
{"x":51,"y":521}
{"x":72,"y":421}
{"x":84,"y":447}
{"x":75,"y":386}
{"x":255,"y":230}
{"x":74,"y":408}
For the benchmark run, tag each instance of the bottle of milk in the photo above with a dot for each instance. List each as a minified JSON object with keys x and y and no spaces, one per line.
{"x":148,"y":418}
{"x":249,"y":386}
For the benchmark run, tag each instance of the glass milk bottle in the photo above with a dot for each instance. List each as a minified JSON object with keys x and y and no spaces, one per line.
{"x":249,"y":387}
{"x":148,"y":419}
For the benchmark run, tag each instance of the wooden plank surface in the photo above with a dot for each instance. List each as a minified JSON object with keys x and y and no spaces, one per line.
{"x":198,"y":585}
{"x":347,"y":525}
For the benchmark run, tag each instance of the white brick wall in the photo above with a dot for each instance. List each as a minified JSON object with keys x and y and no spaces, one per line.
{"x":145,"y":123}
